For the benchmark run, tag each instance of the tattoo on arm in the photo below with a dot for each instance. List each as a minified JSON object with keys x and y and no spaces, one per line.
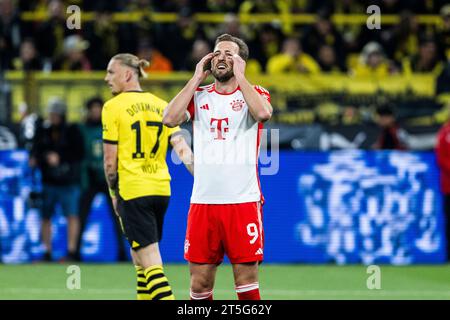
{"x":111,"y":177}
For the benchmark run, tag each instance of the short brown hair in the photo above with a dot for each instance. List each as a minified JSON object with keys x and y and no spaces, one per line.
{"x":243,"y":48}
{"x":130,"y":60}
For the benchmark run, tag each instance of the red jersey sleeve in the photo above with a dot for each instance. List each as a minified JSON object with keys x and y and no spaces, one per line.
{"x":191,"y":109}
{"x":443,"y":148}
{"x":263,"y":92}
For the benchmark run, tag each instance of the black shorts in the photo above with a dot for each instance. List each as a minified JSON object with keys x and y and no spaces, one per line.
{"x":142,"y":219}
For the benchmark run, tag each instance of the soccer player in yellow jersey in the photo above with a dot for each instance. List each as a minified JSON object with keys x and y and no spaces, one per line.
{"x":135,"y":144}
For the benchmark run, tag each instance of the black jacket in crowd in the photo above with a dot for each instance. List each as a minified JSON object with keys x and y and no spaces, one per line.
{"x":66,"y":140}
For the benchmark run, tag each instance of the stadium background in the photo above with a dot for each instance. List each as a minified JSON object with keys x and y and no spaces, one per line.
{"x":332,"y":200}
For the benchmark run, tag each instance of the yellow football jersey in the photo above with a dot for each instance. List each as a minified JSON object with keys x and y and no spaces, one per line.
{"x":133,"y":121}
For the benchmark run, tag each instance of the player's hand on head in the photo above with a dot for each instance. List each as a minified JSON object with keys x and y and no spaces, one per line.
{"x":238,"y":65}
{"x":203,"y":68}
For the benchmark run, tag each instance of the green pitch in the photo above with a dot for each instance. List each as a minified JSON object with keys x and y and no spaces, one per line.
{"x":117,"y":281}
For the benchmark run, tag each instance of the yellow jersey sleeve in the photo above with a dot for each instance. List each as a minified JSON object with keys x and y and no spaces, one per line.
{"x":110,"y":124}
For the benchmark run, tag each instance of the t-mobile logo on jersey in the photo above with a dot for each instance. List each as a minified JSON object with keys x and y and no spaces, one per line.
{"x":219,"y":128}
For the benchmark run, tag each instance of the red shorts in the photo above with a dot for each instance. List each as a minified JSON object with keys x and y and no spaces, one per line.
{"x":216,"y":229}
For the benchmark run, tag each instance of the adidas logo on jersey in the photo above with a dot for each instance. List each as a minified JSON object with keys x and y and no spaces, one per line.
{"x":205,"y":107}
{"x":259,"y":251}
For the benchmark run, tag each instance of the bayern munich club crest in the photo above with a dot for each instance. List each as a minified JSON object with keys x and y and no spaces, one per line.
{"x":237,"y":105}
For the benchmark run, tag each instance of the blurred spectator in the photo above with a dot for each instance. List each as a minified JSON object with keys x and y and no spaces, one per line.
{"x":266,"y":44}
{"x":30,"y":123}
{"x":102,"y":35}
{"x":391,"y":6}
{"x":427,"y":60}
{"x":221,"y":6}
{"x":173,"y":5}
{"x":327,"y":60}
{"x":132,"y":33}
{"x":405,"y":37}
{"x":58,"y":152}
{"x":51,"y":34}
{"x":373,"y":62}
{"x":426,"y":7}
{"x":351,"y":116}
{"x":10,"y":33}
{"x":349,"y":32}
{"x":103,"y":5}
{"x":200,"y":49}
{"x":258,"y":6}
{"x":391,"y":136}
{"x":443,"y":80}
{"x":93,"y":176}
{"x":323,"y":33}
{"x":443,"y":159}
{"x":443,"y":34}
{"x":292,"y":60}
{"x":182,"y":35}
{"x":28,"y":59}
{"x":158,"y":62}
{"x":74,"y":57}
{"x":231,"y":26}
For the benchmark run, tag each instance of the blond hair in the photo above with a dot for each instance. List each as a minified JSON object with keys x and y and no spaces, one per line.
{"x":130,"y":60}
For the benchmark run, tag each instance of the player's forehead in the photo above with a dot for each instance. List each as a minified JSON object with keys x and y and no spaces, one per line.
{"x":114,"y":65}
{"x":227,"y":46}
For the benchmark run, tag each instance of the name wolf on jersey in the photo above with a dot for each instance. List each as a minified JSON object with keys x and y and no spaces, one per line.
{"x":150,"y":168}
{"x":138,"y":107}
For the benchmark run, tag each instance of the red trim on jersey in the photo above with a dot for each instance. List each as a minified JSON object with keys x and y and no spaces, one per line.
{"x":258,"y":141}
{"x":191,"y":108}
{"x":223,"y":93}
{"x":263,"y":92}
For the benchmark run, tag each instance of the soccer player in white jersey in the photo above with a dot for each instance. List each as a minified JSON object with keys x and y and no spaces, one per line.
{"x":225,"y":214}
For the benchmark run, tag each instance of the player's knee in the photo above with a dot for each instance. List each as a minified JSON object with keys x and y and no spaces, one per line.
{"x":245,"y":274}
{"x":200,"y":283}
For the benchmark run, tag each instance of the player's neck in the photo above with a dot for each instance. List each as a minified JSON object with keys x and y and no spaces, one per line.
{"x":226,"y":87}
{"x":132,"y":87}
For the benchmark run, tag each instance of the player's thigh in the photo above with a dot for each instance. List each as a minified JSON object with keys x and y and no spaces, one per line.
{"x":203,"y":244}
{"x":159,"y":205}
{"x":243,"y":232}
{"x":139,"y":221}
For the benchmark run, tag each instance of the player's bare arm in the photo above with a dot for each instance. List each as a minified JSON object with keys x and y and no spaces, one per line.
{"x":110,"y":167}
{"x":259,"y":107}
{"x":183,"y":151}
{"x":175,"y":112}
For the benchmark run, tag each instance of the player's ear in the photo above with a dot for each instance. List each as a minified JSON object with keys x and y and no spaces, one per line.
{"x":128,"y":75}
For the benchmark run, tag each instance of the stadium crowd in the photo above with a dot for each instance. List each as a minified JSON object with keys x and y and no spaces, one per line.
{"x":321,"y":46}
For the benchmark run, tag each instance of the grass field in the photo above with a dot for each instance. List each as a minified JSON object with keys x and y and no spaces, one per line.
{"x":298,"y":282}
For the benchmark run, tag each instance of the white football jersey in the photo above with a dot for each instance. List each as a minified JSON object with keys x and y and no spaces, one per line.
{"x":226,"y":147}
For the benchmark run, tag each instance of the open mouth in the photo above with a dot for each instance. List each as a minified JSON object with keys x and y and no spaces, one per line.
{"x":221,"y":66}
